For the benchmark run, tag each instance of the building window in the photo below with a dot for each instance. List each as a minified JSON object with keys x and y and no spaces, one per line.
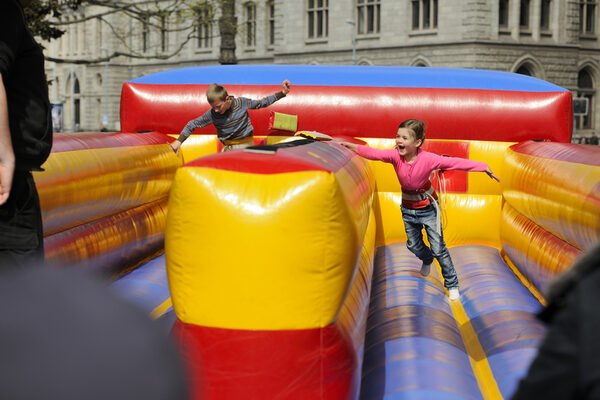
{"x":164,"y":39}
{"x":524,"y":14}
{"x":424,"y":14}
{"x":318,"y":19}
{"x":503,"y":14}
{"x":585,"y":88}
{"x":77,"y":105}
{"x":587,"y":16}
{"x":368,"y":12}
{"x":145,"y":34}
{"x":204,"y":13}
{"x":545,"y":15}
{"x":98,"y":23}
{"x":524,"y":70}
{"x":271,"y":22}
{"x":250,"y":10}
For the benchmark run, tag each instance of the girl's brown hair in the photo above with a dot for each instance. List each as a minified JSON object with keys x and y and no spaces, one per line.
{"x":417,"y":128}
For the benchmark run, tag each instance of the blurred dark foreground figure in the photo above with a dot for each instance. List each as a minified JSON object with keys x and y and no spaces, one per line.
{"x":65,"y":336}
{"x":568,"y":363}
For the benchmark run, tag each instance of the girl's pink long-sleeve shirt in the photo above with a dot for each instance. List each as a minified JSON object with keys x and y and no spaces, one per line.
{"x":416,"y":174}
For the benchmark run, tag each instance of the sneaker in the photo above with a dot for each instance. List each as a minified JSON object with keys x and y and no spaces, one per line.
{"x":453,"y":293}
{"x":425,"y":268}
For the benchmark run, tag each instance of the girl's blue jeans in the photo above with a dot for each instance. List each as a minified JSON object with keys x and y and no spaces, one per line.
{"x":414,"y":221}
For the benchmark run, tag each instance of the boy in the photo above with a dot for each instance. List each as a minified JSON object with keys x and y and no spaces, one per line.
{"x":230,"y":116}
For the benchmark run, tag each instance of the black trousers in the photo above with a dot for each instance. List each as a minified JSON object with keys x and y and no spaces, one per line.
{"x":21,"y":231}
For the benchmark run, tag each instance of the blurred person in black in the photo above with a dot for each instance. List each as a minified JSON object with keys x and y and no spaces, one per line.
{"x":25,"y":137}
{"x":568,"y":362}
{"x":65,"y":336}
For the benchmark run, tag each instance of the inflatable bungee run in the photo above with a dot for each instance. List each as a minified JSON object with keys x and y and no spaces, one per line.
{"x":282,"y":271}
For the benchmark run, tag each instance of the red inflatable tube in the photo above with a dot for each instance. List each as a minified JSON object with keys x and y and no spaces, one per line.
{"x":467,"y":114}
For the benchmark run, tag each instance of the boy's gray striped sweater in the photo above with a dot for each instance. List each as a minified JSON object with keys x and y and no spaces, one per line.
{"x":235,"y":123}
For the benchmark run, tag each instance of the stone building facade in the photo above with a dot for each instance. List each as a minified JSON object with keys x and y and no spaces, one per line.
{"x":554,"y":40}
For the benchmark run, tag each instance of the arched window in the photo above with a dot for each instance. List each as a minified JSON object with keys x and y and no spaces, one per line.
{"x":585,"y":88}
{"x":524,"y":70}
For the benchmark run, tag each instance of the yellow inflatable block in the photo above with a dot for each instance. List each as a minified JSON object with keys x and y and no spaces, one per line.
{"x":262,"y":251}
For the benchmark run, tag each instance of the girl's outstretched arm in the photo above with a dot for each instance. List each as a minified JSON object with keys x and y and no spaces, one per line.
{"x":491,"y":174}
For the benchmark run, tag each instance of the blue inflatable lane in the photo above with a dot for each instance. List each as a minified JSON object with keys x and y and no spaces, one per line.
{"x":501,"y":311}
{"x":413,"y":347}
{"x":148,"y":287}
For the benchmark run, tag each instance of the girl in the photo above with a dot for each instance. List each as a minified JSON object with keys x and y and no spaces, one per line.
{"x":419,"y":200}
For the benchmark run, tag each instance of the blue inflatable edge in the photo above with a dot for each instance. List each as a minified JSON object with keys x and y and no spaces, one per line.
{"x":350,"y":75}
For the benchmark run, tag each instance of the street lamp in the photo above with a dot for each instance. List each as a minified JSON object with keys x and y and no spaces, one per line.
{"x":353,"y":23}
{"x":105,"y":117}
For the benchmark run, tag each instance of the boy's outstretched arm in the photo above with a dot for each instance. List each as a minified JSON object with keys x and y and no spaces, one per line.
{"x":491,"y":174}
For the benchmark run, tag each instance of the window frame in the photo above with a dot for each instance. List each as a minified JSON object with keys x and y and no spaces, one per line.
{"x":145,"y":33}
{"x":525,"y":15}
{"x":546,"y":15}
{"x":503,"y":15}
{"x":316,"y":13}
{"x":363,"y":18}
{"x":586,"y":121}
{"x":164,"y":34}
{"x":250,"y":24}
{"x":420,"y":22}
{"x":584,"y":17}
{"x":204,"y":28}
{"x":270,"y":7}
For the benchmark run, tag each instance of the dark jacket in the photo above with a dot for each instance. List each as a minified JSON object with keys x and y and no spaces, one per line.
{"x":568,"y":363}
{"x":22,"y":68}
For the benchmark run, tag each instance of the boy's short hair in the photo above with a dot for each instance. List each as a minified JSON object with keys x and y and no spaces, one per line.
{"x":216,"y":92}
{"x":417,"y":128}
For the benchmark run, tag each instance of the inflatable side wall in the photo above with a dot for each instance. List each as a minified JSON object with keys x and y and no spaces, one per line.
{"x":104,"y":198}
{"x":551,"y":211}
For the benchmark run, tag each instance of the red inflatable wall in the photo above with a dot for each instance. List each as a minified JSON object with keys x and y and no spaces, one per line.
{"x":467,"y":114}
